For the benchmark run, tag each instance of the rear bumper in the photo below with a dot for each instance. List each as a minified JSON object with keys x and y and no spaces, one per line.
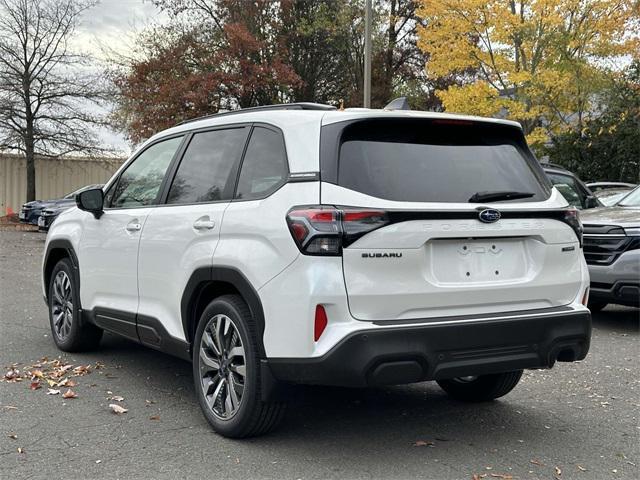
{"x":410,"y":354}
{"x":622,"y":293}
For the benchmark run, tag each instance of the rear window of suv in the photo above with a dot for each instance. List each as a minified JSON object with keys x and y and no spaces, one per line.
{"x":434,"y":160}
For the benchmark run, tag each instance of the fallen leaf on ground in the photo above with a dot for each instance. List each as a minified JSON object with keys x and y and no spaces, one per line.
{"x":12,"y":375}
{"x":37,"y":374}
{"x":70,"y":394}
{"x":154,"y":417}
{"x":82,"y":370}
{"x":35,"y":385}
{"x":503,"y":476}
{"x":52,"y":391}
{"x":98,"y":461}
{"x":581,"y":468}
{"x":20,"y":450}
{"x":117,"y":398}
{"x":558,"y":471}
{"x":422,"y":443}
{"x":67,"y":382}
{"x":117,"y":409}
{"x":13,"y":436}
{"x":537,"y":462}
{"x":10,"y":407}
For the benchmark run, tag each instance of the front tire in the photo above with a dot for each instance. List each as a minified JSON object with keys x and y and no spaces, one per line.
{"x":481,"y":388}
{"x":226,"y":371}
{"x":69,"y":334}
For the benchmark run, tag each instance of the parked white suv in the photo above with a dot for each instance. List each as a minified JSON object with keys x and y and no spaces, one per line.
{"x":303,"y":244}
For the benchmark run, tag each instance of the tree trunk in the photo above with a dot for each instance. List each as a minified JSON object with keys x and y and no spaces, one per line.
{"x":31,"y":167}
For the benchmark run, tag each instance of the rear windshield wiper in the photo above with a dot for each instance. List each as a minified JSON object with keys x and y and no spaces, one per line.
{"x":497,"y":196}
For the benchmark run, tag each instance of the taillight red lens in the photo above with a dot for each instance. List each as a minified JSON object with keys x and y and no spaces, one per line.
{"x":572,"y":218}
{"x":325,"y":230}
{"x":320,"y":322}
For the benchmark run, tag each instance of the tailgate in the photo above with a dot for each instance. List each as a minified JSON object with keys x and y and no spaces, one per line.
{"x":429,"y":269}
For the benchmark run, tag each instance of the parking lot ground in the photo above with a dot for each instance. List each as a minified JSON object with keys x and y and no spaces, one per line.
{"x":576,"y":421}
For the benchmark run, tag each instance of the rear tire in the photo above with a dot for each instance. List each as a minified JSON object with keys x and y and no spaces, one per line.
{"x":226,"y":371}
{"x":482,"y":388}
{"x":67,"y":329}
{"x":596,"y":306}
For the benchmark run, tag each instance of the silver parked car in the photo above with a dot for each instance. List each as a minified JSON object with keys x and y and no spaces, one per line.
{"x":612,"y":251}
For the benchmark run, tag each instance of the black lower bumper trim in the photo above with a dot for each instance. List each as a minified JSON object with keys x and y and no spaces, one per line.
{"x":432,"y":352}
{"x":623,"y":293}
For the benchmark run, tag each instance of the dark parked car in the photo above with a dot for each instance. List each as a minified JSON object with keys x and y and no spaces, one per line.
{"x":30,"y":211}
{"x":49,"y":214}
{"x":571,"y":187}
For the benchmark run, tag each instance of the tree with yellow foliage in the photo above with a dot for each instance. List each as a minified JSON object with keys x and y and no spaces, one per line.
{"x":539,"y":62}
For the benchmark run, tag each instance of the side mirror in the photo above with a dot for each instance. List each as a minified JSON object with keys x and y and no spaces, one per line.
{"x":91,"y":201}
{"x":591,"y":202}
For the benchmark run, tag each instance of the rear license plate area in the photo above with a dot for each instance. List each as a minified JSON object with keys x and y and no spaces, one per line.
{"x":463,"y":261}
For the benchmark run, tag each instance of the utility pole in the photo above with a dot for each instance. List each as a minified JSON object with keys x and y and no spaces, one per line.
{"x":367,"y":54}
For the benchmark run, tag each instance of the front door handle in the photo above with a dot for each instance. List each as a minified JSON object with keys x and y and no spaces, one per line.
{"x":133,"y":226}
{"x":204,"y":224}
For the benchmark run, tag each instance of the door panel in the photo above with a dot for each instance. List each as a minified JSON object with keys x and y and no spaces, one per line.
{"x":176,"y":240}
{"x":108,"y":252}
{"x":181,"y":236}
{"x":108,"y":256}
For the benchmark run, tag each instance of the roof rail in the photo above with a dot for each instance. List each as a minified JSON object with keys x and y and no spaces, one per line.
{"x":281,"y":106}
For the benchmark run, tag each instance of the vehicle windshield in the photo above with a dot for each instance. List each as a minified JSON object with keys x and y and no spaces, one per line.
{"x":431,"y":161}
{"x":632,"y":199}
{"x":610,"y":200}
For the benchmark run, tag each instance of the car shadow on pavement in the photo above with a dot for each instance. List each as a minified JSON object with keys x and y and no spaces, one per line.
{"x":619,"y":319}
{"x":346,"y":417}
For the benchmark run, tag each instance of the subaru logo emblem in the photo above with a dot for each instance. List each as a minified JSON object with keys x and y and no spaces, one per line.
{"x":489,"y":215}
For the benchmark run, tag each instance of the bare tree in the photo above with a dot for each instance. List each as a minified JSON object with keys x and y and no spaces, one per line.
{"x":46,"y":90}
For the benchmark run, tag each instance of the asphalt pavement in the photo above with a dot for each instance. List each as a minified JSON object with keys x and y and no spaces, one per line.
{"x":576,"y":421}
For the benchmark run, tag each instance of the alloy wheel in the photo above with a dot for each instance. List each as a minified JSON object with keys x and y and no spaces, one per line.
{"x":222,"y":366}
{"x":62,"y":305}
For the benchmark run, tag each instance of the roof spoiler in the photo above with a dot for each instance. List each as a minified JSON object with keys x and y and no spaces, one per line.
{"x":399,"y":103}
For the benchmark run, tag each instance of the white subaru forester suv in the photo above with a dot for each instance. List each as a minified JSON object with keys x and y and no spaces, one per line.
{"x":303,"y":244}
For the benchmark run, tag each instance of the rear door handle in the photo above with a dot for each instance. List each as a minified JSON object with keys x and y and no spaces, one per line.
{"x":204,"y":224}
{"x":133,"y":227}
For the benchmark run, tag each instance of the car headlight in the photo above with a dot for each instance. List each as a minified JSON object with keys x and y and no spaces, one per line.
{"x":632,"y":232}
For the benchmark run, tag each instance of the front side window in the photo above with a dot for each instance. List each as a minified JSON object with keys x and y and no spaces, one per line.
{"x":204,"y":174}
{"x":264,"y":167}
{"x":139,"y":184}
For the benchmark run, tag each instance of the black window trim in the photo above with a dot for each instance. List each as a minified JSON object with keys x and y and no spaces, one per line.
{"x":116,"y":179}
{"x":286,"y":178}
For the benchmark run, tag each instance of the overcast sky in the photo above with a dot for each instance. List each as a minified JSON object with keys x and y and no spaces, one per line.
{"x":112,"y":25}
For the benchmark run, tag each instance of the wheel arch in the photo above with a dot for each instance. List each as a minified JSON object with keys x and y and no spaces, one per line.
{"x":208,"y":283}
{"x":56,"y":251}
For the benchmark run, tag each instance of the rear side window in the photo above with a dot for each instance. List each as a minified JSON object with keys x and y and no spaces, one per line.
{"x":436,"y":161}
{"x":204,"y":174}
{"x":264,"y":167}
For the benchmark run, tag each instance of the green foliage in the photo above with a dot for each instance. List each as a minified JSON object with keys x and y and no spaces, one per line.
{"x":608,"y":148}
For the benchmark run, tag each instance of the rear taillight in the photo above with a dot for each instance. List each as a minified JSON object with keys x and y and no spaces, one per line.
{"x":325,"y":230}
{"x":572,"y":218}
